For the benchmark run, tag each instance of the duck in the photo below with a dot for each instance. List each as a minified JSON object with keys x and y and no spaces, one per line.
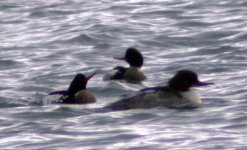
{"x":177,"y":93}
{"x":133,"y":73}
{"x":76,"y":93}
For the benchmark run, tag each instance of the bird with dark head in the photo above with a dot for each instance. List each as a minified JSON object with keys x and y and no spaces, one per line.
{"x":177,"y":94}
{"x":133,"y":57}
{"x":76,"y":93}
{"x":184,"y":80}
{"x":131,"y":74}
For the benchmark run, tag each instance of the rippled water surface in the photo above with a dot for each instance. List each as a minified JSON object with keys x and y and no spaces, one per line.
{"x":43,"y":44}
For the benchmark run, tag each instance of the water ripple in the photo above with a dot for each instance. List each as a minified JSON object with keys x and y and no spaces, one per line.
{"x":45,"y":43}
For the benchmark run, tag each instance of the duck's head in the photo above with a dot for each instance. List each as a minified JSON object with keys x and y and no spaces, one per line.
{"x":133,"y":57}
{"x":79,"y":83}
{"x":184,"y":80}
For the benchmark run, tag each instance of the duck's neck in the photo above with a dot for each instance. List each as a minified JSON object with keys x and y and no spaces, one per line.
{"x":192,"y":96}
{"x":134,"y":68}
{"x":134,"y":74}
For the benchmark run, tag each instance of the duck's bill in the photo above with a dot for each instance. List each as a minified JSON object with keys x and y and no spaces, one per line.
{"x":203,"y":83}
{"x":119,"y":58}
{"x":89,"y":77}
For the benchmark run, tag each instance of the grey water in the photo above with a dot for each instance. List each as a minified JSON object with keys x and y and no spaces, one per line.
{"x":43,"y":44}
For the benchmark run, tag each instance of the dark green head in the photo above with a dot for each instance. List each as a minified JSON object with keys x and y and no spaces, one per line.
{"x":78,"y":83}
{"x":133,"y":57}
{"x":184,"y":80}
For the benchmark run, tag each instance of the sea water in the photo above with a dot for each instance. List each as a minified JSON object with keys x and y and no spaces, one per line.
{"x":44,"y":44}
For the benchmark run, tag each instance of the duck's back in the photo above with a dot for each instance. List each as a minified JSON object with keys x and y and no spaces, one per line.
{"x":115,"y":74}
{"x":84,"y":97}
{"x":134,"y":74}
{"x":148,"y":98}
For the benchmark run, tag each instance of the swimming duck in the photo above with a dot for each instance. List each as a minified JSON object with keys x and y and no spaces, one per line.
{"x":76,"y":93}
{"x":133,"y":73}
{"x":177,"y":94}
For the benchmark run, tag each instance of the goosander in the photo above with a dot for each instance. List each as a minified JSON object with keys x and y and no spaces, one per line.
{"x":76,"y":93}
{"x":132,"y":74}
{"x":177,"y":94}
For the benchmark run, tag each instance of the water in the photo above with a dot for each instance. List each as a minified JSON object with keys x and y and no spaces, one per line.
{"x":45,"y":43}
